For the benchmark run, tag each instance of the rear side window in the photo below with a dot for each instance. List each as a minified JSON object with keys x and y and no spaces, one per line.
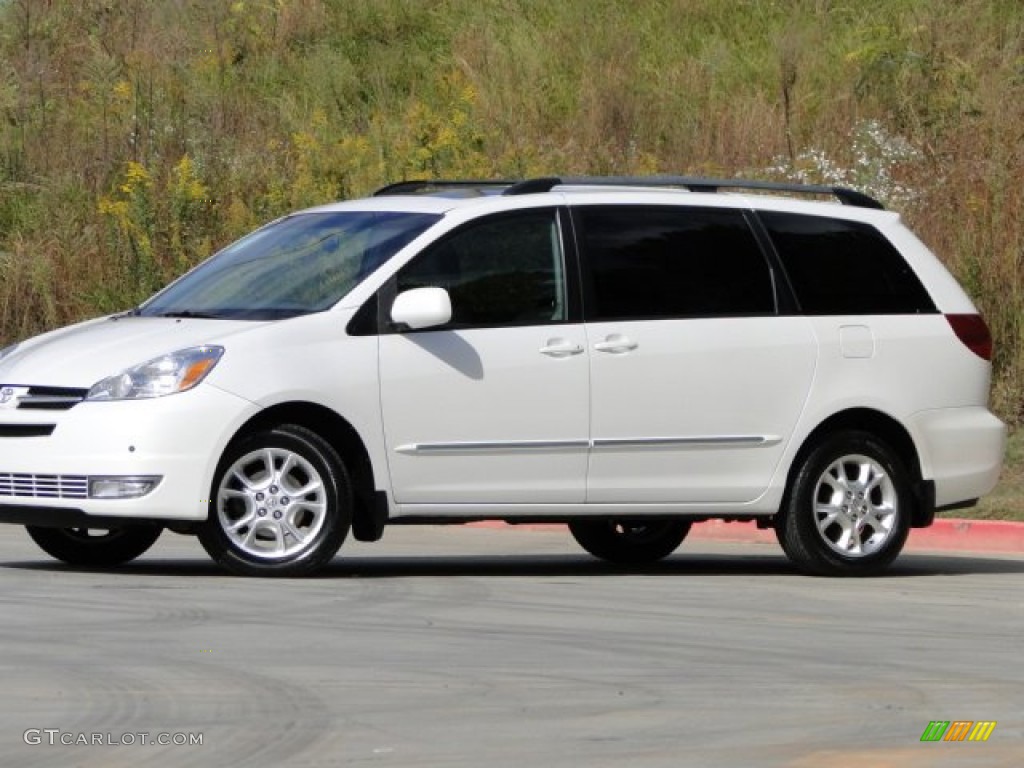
{"x":839,"y":267}
{"x":663,"y":262}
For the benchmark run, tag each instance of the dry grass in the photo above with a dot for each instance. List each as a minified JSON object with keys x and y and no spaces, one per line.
{"x":276,"y":104}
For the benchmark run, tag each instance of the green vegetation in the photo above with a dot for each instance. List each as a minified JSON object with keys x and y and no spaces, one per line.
{"x":138,"y":136}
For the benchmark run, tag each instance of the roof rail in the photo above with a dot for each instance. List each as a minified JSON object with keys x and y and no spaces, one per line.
{"x":460,"y":188}
{"x":696,"y":184}
{"x":425,"y":186}
{"x":533,"y":186}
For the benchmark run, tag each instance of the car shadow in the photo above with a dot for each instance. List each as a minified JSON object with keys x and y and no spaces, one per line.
{"x":529,"y":566}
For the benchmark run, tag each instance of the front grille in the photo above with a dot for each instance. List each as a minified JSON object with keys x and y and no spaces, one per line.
{"x":51,"y":398}
{"x":44,"y":486}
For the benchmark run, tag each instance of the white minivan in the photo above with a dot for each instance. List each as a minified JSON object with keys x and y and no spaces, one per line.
{"x":627,"y":356}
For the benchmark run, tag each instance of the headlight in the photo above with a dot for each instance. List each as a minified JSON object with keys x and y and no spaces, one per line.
{"x":176,"y":372}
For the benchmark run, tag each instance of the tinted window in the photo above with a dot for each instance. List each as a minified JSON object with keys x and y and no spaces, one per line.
{"x":648,"y":262}
{"x":504,"y":270}
{"x":839,"y":267}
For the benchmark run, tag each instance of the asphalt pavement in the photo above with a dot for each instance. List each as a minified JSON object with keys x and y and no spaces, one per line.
{"x":472,"y":647}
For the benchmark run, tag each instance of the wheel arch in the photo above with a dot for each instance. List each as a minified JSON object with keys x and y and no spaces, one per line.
{"x":893,"y":434}
{"x":369,"y":514}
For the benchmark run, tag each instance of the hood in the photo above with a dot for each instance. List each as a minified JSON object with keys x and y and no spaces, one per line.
{"x":82,"y":354}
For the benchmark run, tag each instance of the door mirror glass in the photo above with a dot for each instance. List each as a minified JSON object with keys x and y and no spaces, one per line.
{"x":421,"y":308}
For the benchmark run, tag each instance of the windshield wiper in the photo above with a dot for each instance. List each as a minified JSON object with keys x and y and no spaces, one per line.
{"x":190,"y":314}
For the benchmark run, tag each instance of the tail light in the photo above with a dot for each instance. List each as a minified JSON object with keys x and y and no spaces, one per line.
{"x":973,"y":332}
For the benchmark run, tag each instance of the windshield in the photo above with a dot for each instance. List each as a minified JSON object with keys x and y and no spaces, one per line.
{"x":300,"y":264}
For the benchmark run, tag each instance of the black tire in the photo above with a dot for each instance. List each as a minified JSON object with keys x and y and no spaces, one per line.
{"x":95,"y":547}
{"x":288,"y":519}
{"x":835,"y":524}
{"x":629,"y":542}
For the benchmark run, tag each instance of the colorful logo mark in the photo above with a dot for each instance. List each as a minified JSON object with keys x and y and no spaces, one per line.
{"x":958,"y":730}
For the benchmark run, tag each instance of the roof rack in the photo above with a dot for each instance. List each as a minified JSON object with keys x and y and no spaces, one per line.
{"x":441,"y":186}
{"x":844,"y":195}
{"x":696,"y":184}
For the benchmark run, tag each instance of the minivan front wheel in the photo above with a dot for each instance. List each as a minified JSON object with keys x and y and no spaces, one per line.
{"x":848,"y":510}
{"x":631,"y":542}
{"x":281,"y":504}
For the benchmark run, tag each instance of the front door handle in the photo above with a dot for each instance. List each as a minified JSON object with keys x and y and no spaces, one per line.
{"x":561,"y":348}
{"x":616,"y":344}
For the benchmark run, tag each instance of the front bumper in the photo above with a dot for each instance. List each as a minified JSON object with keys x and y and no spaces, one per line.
{"x":179,"y":437}
{"x":62,"y":517}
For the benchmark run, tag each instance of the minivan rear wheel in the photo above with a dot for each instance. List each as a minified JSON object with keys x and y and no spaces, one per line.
{"x":281,"y":504}
{"x":848,"y":510}
{"x":631,"y":542}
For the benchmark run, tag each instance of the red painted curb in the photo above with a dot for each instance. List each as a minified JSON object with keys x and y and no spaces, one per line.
{"x":969,"y":535}
{"x":946,"y":534}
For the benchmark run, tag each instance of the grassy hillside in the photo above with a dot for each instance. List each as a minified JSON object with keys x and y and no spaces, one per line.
{"x":138,"y":136}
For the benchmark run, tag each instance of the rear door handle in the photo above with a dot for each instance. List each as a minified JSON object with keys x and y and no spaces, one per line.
{"x":616,"y":344}
{"x":561,"y":348}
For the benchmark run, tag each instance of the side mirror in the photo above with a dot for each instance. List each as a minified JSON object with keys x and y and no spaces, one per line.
{"x":422,"y":308}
